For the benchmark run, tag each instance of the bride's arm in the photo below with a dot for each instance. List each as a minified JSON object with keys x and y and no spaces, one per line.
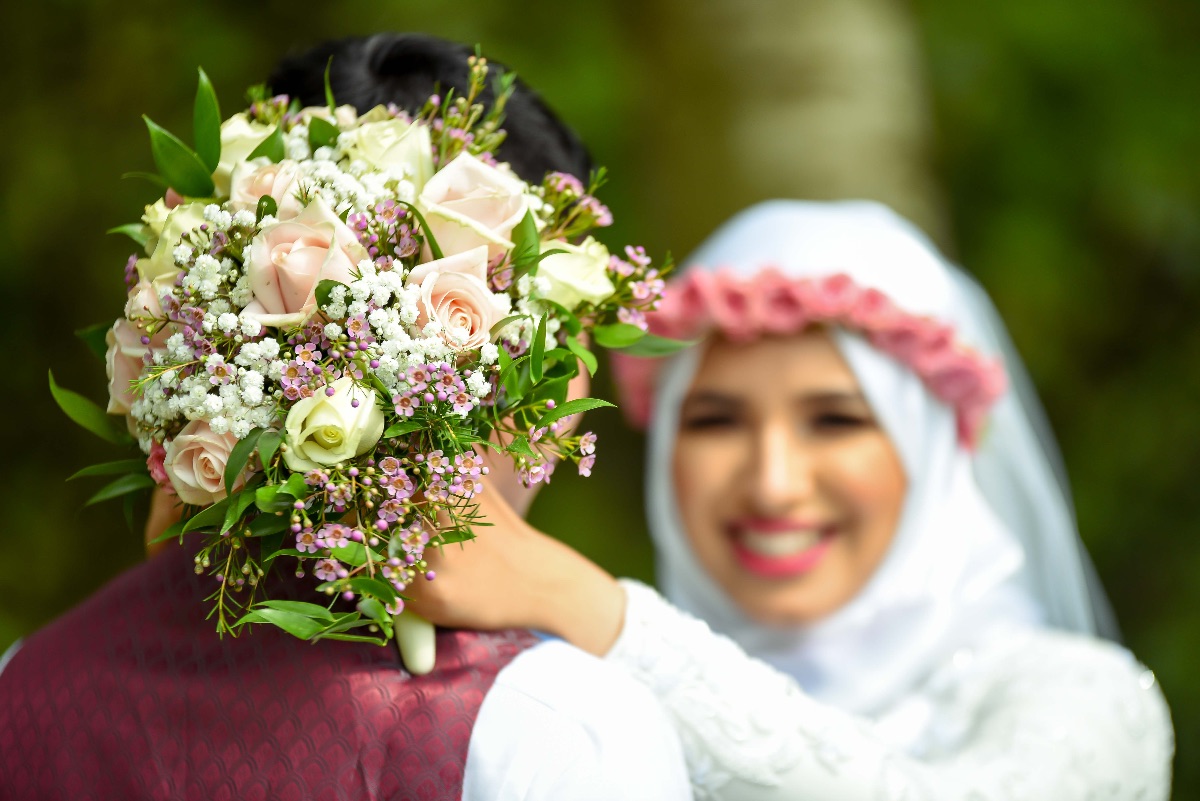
{"x":1045,"y":716}
{"x":1055,"y":718}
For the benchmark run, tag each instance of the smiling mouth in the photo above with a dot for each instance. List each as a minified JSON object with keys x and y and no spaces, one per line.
{"x":776,"y":550}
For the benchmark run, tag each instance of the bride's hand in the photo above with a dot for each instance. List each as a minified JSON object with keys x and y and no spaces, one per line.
{"x":514,"y":576}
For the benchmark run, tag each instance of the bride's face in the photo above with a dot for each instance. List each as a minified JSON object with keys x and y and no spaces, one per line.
{"x":789,"y":489}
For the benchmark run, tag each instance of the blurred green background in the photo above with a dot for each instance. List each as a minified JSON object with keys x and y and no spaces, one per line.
{"x":1049,"y":146}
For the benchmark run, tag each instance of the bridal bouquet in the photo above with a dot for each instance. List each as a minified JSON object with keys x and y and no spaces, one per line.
{"x":331,"y":315}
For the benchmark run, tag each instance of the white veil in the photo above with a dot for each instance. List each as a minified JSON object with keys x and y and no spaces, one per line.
{"x":985,"y":541}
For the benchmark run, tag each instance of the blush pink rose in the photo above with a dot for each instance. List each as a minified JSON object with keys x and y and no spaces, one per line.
{"x":156,"y":465}
{"x":253,"y":180}
{"x":195,"y":463}
{"x":468,"y":204}
{"x":123,"y":364}
{"x":454,"y":292}
{"x":288,"y":259}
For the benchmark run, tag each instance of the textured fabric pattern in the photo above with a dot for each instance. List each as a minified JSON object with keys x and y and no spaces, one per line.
{"x":1034,"y":715}
{"x":133,"y":696}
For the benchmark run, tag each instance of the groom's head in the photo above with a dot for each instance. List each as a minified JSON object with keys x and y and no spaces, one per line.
{"x":405,"y":69}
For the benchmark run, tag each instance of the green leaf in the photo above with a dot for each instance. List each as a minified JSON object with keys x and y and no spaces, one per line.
{"x":353,"y":554}
{"x":210,"y":517}
{"x":374,"y":610}
{"x":179,"y":166}
{"x":269,"y":544}
{"x":122,"y":486}
{"x":295,"y":486}
{"x":87,"y":414}
{"x":272,"y":147}
{"x":238,"y":505}
{"x":457,"y":535}
{"x":299,"y":607}
{"x":173,"y":531}
{"x":529,"y":265}
{"x":293,"y":623}
{"x":569,"y":408}
{"x":538,"y":351}
{"x":500,"y":326}
{"x":206,"y":123}
{"x":653,"y":346}
{"x":526,"y":243}
{"x":586,"y":356}
{"x":429,"y":240}
{"x":153,"y":178}
{"x":372,"y":586}
{"x":268,"y":444}
{"x":617,"y":335}
{"x":266,"y":206}
{"x":96,"y":338}
{"x":239,"y":456}
{"x":329,"y":89}
{"x":112,"y":468}
{"x":324,"y":288}
{"x":267,"y":524}
{"x":322,"y":133}
{"x":135,"y":231}
{"x":511,"y":368}
{"x":405,"y":427}
{"x":520,"y":445}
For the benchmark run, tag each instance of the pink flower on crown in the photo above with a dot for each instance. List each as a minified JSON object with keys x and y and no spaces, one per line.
{"x":772,"y":303}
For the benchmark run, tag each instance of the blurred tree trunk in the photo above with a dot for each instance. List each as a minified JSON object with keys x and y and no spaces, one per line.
{"x":756,"y":99}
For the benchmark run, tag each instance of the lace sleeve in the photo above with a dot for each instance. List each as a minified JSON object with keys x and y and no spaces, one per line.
{"x":1057,"y":717}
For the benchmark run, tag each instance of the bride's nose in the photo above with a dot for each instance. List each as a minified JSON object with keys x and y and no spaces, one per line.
{"x":782,"y":471}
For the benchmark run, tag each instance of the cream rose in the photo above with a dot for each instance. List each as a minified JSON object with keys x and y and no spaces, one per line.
{"x":123,"y":364}
{"x":253,"y":180}
{"x":195,"y":462}
{"x":179,"y":221}
{"x":468,"y":204}
{"x":579,"y":275}
{"x":343,"y":116}
{"x":394,"y":143}
{"x":454,"y":292}
{"x":323,"y":430}
{"x":239,"y":137}
{"x":288,"y":259}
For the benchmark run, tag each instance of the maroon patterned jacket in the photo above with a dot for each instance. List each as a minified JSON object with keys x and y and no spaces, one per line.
{"x":133,"y":696}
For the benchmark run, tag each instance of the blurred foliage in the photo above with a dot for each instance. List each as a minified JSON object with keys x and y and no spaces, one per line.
{"x":1063,"y":135}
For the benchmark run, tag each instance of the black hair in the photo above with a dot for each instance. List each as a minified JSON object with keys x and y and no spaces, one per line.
{"x":405,"y":69}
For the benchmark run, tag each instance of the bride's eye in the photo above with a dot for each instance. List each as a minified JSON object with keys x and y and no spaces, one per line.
{"x":709,"y":420}
{"x":836,"y":422}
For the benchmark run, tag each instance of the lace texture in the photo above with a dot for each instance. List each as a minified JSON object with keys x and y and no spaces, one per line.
{"x":1041,"y":715}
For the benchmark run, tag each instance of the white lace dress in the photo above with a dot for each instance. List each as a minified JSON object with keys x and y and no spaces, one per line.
{"x":1043,"y":716}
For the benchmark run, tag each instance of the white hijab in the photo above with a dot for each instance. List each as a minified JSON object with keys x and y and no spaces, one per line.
{"x":985,"y":541}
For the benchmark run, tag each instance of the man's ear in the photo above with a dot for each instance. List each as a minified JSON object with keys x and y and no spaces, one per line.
{"x":165,"y":511}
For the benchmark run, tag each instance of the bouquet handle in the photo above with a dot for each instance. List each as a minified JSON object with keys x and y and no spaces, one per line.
{"x":416,"y":641}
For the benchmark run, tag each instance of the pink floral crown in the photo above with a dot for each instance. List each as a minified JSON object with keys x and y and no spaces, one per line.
{"x":769,"y":302}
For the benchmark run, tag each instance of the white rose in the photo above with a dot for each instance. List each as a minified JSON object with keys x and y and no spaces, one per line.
{"x":154,"y":218}
{"x":468,"y":204}
{"x":344,"y":117}
{"x":178,"y":222}
{"x":579,"y":275}
{"x":195,"y":463}
{"x":395,"y":143}
{"x":239,"y":137}
{"x":323,"y":430}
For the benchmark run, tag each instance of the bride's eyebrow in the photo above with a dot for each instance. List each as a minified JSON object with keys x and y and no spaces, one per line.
{"x":833,"y":398}
{"x":711,"y":398}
